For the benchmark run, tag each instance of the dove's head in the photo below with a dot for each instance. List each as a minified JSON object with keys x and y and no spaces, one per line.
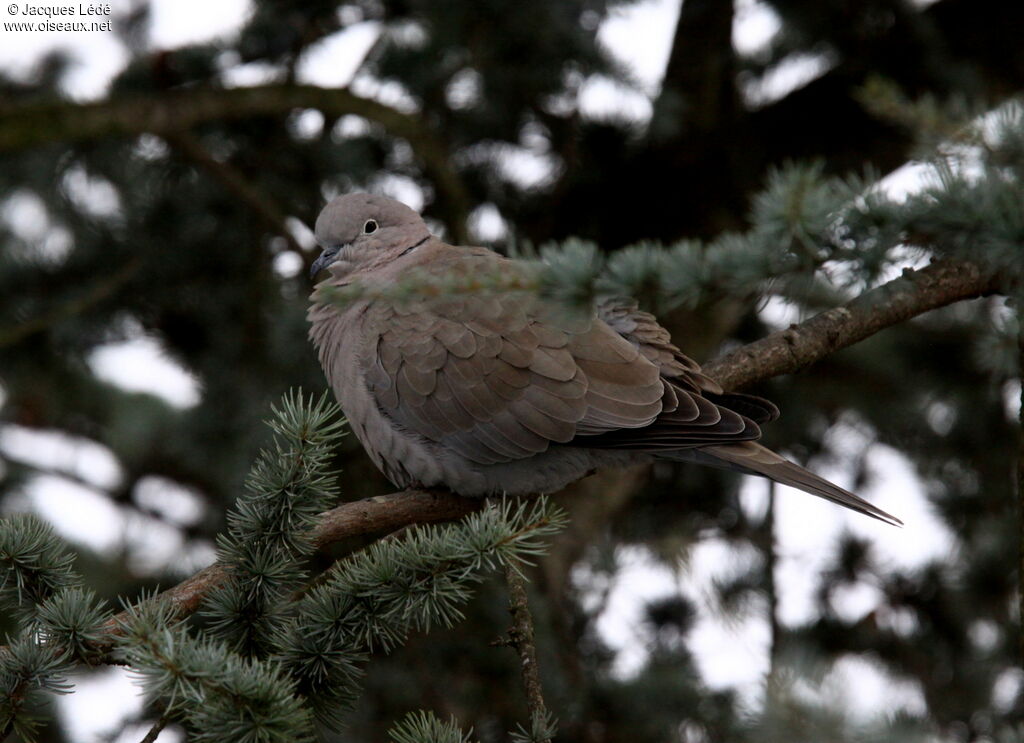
{"x":361,"y":230}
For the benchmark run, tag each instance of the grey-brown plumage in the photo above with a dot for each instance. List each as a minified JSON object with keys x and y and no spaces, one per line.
{"x":489,"y":393}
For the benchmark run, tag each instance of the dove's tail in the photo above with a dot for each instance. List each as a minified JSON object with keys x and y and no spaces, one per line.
{"x":753,"y":459}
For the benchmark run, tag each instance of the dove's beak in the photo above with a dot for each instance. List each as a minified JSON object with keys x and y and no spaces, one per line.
{"x":326,"y":258}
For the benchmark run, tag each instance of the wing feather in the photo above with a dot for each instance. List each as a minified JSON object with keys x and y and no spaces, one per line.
{"x":503,"y":378}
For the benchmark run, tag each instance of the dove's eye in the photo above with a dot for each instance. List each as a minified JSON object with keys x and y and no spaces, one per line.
{"x":370,"y":227}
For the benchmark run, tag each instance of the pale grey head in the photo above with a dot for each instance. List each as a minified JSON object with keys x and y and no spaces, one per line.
{"x":362,"y":228}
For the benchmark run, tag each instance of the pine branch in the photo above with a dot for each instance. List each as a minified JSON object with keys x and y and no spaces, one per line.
{"x":915,"y":292}
{"x":72,"y":620}
{"x":28,"y":668}
{"x":543,"y":729}
{"x":425,"y":727}
{"x":377,"y":515}
{"x":372,"y":600}
{"x":217,"y":694}
{"x":59,"y":623}
{"x":269,"y":527}
{"x":34,"y":564}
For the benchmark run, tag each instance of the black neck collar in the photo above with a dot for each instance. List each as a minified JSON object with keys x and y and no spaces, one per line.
{"x":413,"y":247}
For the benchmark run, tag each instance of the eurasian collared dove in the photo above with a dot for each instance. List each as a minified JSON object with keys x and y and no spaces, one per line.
{"x":486,"y":393}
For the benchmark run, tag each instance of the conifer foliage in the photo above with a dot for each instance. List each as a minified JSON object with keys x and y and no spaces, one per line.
{"x":280,"y":652}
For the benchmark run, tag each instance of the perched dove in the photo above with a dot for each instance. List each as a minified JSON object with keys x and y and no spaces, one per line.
{"x":487,"y":393}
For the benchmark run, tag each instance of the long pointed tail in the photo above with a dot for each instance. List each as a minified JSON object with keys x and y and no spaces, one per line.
{"x":754,"y":459}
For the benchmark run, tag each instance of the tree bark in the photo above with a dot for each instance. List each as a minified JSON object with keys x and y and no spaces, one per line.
{"x":941,"y":283}
{"x":521,"y":639}
{"x":698,"y":94}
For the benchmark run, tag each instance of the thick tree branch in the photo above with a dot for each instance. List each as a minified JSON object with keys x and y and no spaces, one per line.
{"x":381,"y":513}
{"x":698,"y":94}
{"x":27,"y":126}
{"x":915,"y":292}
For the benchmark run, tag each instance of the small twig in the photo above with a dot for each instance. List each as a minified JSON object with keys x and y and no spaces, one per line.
{"x":157,"y":728}
{"x":520,"y":636}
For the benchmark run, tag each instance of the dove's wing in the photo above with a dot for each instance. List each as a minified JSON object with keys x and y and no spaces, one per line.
{"x":665,"y":438}
{"x":643,"y":330}
{"x":488,"y":381}
{"x":499,"y":377}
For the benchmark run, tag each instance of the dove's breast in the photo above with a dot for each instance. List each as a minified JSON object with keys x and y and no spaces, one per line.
{"x":346,"y":342}
{"x":348,"y":345}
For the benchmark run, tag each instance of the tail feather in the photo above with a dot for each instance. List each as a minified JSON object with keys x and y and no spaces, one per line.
{"x":752,"y":458}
